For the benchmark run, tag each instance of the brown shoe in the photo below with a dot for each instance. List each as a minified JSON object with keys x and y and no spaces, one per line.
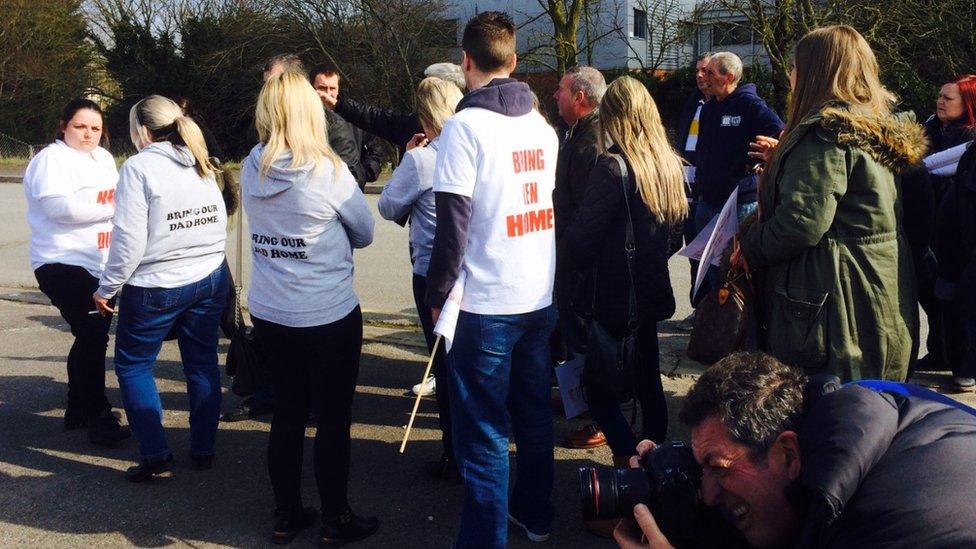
{"x":587,"y":436}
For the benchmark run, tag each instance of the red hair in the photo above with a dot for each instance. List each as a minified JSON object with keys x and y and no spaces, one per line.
{"x":967,"y":89}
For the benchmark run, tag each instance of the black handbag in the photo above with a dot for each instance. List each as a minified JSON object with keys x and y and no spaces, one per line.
{"x":246,"y":361}
{"x":610,"y":365}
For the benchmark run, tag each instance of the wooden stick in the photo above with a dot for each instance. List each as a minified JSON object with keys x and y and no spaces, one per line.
{"x":416,"y":403}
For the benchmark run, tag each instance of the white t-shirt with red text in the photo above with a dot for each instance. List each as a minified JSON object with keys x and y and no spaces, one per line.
{"x":70,"y":203}
{"x":507,"y":166}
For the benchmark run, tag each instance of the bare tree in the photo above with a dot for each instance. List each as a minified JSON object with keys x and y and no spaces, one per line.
{"x":380,"y":47}
{"x":776,"y":24}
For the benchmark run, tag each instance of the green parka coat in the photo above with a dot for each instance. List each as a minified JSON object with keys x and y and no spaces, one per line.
{"x":835,"y":279}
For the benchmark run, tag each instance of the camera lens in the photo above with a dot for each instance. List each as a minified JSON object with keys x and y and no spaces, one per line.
{"x":607,"y":493}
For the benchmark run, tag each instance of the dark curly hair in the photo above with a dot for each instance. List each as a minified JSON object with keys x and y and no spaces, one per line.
{"x":754,"y":395}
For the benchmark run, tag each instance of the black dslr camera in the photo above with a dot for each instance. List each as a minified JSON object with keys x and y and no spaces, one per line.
{"x":667,"y":482}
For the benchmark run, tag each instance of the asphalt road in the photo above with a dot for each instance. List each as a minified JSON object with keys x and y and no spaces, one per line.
{"x":56,"y":490}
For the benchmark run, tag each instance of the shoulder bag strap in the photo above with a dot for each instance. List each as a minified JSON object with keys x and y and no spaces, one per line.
{"x":629,"y":246}
{"x":239,"y":263}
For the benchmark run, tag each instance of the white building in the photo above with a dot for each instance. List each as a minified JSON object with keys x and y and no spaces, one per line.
{"x":613,"y":34}
{"x":722,"y":30}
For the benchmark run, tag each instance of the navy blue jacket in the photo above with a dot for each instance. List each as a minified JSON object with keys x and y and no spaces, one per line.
{"x":885,"y":465}
{"x":725,"y":130}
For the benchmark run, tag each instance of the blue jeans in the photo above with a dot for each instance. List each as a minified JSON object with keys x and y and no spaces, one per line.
{"x":704,"y":212}
{"x":145,"y":316}
{"x":500,"y":376}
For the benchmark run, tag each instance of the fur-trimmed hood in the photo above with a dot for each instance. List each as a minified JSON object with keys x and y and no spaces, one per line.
{"x":896,"y":142}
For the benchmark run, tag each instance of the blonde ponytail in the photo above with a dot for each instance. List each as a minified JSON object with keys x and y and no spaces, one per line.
{"x":157,"y":118}
{"x":192,"y":136}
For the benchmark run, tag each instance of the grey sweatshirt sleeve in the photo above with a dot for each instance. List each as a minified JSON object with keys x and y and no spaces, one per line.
{"x":130,"y":232}
{"x":353,"y":210}
{"x":65,"y":210}
{"x":450,"y":241}
{"x":401,"y":191}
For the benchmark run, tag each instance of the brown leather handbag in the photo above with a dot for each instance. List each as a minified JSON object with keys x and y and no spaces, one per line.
{"x":725,"y":320}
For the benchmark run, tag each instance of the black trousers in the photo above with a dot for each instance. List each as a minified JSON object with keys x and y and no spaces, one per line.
{"x":959,"y":330}
{"x":605,"y":410}
{"x":312,"y":368}
{"x":70,"y":289}
{"x":934,"y":310}
{"x":440,"y":367}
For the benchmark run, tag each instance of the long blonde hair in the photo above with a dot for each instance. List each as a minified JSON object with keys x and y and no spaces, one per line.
{"x":436,"y":101}
{"x":836,"y":64}
{"x":290,"y":117}
{"x":157,"y":118}
{"x":629,"y":116}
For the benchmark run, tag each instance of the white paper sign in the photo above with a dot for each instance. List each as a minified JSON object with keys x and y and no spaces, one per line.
{"x":695,"y":248}
{"x":568,"y":374}
{"x":447,"y":321}
{"x":944,"y":163}
{"x":726,"y":223}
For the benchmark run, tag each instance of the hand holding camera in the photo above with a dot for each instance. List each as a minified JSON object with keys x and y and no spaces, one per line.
{"x":641,"y":531}
{"x":660,"y":491}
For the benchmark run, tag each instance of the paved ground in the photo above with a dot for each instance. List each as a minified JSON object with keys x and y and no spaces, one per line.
{"x":56,"y":490}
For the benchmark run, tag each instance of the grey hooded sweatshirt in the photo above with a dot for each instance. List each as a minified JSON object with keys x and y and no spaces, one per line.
{"x":304,"y":222}
{"x":170,"y":224}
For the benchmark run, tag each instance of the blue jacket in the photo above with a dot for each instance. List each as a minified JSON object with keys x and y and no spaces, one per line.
{"x":725,"y":130}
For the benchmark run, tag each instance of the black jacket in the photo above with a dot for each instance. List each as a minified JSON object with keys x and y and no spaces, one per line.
{"x":880,"y":469}
{"x":942,"y":137}
{"x":396,"y":127}
{"x":725,"y":130}
{"x":688,"y":111}
{"x":342,"y":141}
{"x":370,"y":156}
{"x":577,"y":157}
{"x":955,"y":240}
{"x":594,"y":244}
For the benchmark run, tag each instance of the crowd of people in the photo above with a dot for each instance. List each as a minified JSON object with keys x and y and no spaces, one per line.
{"x":558,"y":240}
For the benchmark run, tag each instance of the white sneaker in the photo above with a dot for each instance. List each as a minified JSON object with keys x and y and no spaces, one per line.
{"x":531,"y":535}
{"x":964,"y":383}
{"x":426,"y":389}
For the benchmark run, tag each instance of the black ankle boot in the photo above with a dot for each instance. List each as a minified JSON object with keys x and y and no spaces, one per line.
{"x":148,"y":467}
{"x":105,"y":430}
{"x":347,"y":527}
{"x":202,"y":462}
{"x":289,"y":523}
{"x":444,"y":469}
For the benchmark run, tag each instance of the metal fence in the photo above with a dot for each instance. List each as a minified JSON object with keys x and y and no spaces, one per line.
{"x":15,"y":148}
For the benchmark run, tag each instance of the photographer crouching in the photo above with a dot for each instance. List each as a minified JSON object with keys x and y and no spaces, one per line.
{"x":797,"y":462}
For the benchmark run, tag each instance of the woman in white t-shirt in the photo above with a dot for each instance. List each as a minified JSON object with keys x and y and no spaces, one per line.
{"x":70,"y":186}
{"x":166,"y":264}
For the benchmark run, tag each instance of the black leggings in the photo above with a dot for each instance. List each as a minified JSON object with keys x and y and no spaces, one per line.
{"x":605,"y":410}
{"x":440,"y":367}
{"x":314,"y":367}
{"x":70,"y":289}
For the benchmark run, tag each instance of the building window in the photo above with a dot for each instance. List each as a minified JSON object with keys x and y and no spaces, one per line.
{"x":731,"y":34}
{"x":640,"y":23}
